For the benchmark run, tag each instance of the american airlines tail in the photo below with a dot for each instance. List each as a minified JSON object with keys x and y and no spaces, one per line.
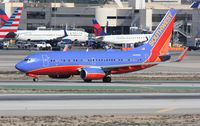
{"x":98,"y":31}
{"x":11,"y":25}
{"x":3,"y":17}
{"x":158,"y":44}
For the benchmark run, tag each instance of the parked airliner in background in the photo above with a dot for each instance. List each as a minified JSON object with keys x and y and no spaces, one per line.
{"x":96,"y":65}
{"x":11,"y":25}
{"x":118,"y":39}
{"x":46,"y":34}
{"x":79,"y":36}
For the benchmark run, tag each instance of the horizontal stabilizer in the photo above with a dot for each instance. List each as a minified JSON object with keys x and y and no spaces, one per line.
{"x":182,"y":55}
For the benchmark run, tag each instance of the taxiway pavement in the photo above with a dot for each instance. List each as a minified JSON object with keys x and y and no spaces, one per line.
{"x":101,"y":106}
{"x":99,"y":103}
{"x":119,"y":83}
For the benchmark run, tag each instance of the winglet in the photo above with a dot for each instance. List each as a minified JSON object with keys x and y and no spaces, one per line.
{"x":182,"y":55}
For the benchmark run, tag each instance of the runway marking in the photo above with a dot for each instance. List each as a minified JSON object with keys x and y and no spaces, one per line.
{"x":166,"y":110}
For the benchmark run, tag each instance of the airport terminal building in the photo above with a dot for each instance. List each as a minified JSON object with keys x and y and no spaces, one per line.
{"x":117,"y":16}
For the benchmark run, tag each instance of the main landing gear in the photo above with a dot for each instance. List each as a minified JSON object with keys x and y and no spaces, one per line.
{"x":36,"y":79}
{"x":87,"y":81}
{"x":107,"y":79}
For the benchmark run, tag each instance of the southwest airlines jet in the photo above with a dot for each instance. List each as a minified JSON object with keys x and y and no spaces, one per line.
{"x":10,"y":25}
{"x":97,"y":65}
{"x":118,"y":39}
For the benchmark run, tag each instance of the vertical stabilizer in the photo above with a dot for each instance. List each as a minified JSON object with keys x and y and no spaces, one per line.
{"x":98,"y":31}
{"x":160,"y":39}
{"x":12,"y":24}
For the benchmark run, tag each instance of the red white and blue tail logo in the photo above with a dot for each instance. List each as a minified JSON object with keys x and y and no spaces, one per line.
{"x":3,"y":17}
{"x":12,"y":24}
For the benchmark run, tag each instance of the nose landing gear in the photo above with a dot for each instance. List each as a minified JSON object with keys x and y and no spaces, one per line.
{"x":35,"y":77}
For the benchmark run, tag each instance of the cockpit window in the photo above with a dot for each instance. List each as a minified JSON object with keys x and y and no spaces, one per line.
{"x":27,"y":59}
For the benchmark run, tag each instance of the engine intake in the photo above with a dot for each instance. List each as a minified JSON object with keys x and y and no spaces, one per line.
{"x":92,"y":74}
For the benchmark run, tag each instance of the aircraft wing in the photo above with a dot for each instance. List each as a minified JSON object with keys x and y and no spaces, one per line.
{"x":99,"y":38}
{"x":179,"y":59}
{"x":107,"y":68}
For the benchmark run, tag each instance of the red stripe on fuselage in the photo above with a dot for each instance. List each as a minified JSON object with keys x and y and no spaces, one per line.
{"x":62,"y":70}
{"x":130,"y":69}
{"x":161,"y":41}
{"x":8,"y":30}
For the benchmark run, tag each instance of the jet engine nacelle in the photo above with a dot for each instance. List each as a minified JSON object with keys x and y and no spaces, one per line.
{"x":92,"y":74}
{"x":57,"y":76}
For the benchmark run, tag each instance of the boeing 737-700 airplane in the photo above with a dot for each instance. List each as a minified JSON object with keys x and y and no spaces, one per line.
{"x":96,"y":65}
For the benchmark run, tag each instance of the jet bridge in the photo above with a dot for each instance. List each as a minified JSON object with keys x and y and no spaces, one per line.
{"x":182,"y":30}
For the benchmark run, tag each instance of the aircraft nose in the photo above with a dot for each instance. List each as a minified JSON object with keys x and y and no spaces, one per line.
{"x":19,"y":66}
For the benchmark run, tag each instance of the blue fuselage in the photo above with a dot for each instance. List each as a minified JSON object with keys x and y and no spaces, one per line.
{"x":79,"y":59}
